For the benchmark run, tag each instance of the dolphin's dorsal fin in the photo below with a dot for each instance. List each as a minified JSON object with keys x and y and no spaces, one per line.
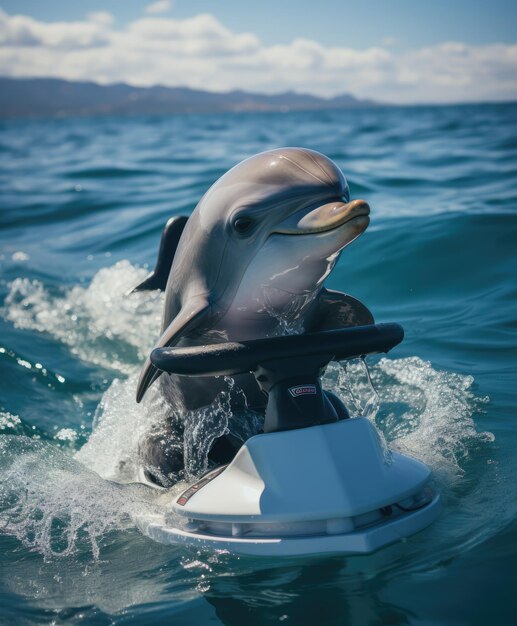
{"x":171,"y":234}
{"x":339,"y":310}
{"x":190,"y":316}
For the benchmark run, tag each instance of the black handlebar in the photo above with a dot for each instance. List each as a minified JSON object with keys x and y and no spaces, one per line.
{"x":237,"y":358}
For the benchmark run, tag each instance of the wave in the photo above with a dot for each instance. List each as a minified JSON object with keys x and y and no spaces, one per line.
{"x":96,"y":322}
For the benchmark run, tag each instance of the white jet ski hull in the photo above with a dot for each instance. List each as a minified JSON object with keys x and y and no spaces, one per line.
{"x":328,"y":489}
{"x":355,"y":543}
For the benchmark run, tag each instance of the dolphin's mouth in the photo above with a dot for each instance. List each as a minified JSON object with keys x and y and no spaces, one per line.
{"x":323,"y":217}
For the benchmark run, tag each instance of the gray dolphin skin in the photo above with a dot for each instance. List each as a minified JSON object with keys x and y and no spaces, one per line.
{"x":251,"y":261}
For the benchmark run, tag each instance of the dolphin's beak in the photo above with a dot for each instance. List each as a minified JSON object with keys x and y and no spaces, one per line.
{"x":324,"y":217}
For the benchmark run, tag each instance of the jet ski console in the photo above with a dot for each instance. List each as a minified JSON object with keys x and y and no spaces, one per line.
{"x":287,"y":369}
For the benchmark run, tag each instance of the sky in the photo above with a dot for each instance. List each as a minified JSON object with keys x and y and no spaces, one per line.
{"x":398,"y":51}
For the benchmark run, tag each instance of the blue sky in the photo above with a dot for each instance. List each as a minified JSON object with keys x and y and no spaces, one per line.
{"x":399,"y":51}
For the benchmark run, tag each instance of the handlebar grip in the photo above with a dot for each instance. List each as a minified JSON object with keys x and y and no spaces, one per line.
{"x":237,"y":358}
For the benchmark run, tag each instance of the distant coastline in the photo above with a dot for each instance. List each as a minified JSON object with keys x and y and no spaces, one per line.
{"x":52,"y":97}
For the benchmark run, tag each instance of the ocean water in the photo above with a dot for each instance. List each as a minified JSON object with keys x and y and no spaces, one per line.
{"x":82,"y":205}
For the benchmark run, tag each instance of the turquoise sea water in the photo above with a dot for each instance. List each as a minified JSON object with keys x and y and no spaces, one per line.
{"x":82,"y":205}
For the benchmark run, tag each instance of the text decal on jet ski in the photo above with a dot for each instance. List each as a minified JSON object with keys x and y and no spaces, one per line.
{"x":303,"y":390}
{"x":193,"y":489}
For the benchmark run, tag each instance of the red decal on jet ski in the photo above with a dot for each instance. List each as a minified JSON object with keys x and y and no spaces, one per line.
{"x":186,"y":495}
{"x":303,"y":390}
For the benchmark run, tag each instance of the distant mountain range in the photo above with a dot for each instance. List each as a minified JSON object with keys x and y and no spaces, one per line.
{"x":50,"y":97}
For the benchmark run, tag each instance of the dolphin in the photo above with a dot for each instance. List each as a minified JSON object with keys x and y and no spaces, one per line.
{"x":251,"y":260}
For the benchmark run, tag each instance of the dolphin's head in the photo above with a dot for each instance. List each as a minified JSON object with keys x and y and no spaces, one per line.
{"x":273,"y":227}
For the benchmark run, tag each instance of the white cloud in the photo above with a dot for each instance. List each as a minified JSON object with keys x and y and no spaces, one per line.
{"x":21,"y":32}
{"x":162,"y":6}
{"x":101,"y":17}
{"x":201,"y":52}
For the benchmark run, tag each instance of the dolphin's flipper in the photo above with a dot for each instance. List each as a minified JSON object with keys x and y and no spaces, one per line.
{"x":339,"y":310}
{"x":171,"y":234}
{"x":191,"y":315}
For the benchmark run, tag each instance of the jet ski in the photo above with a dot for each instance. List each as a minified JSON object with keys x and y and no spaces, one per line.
{"x":316,"y":481}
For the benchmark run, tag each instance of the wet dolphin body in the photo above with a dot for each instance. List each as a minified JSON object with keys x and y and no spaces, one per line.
{"x":251,"y":261}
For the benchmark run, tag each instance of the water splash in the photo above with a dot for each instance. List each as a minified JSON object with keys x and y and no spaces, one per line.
{"x":10,"y":423}
{"x":290,"y":317}
{"x":54,"y":505}
{"x":119,"y":425}
{"x":429,"y":413}
{"x":97,"y":322}
{"x":351,"y":381}
{"x":420,"y":411}
{"x":204,"y":426}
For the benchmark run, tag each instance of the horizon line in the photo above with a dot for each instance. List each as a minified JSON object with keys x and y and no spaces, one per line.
{"x":366,"y":100}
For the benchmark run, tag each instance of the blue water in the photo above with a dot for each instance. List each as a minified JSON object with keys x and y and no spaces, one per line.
{"x":82,"y":204}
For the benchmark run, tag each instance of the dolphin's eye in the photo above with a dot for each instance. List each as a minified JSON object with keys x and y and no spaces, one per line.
{"x":243,"y":225}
